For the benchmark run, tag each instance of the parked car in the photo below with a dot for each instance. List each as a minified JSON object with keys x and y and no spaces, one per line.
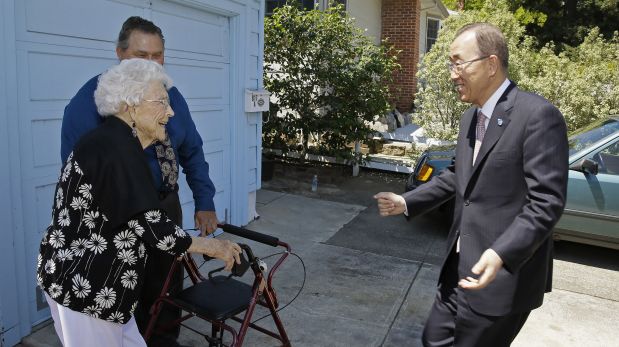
{"x":591,"y":213}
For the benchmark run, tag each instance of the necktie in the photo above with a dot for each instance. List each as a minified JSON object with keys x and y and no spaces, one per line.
{"x":480,"y":131}
{"x":167,"y":162}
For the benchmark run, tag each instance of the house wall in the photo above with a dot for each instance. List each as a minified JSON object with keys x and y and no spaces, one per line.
{"x":49,"y":49}
{"x":400,"y":25}
{"x":367,"y":15}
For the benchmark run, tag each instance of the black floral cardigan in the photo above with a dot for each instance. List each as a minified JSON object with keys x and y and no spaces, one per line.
{"x":106,"y":220}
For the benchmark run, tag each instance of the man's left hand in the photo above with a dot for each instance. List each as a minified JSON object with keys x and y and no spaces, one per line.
{"x":206,"y":221}
{"x":488,"y":266}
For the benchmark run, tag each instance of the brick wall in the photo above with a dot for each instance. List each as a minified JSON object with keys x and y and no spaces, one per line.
{"x":400,"y":26}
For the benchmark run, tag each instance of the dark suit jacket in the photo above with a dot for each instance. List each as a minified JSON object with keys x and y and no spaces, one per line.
{"x":509,"y":200}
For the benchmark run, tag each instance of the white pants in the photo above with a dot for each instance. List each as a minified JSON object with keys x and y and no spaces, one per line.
{"x":78,"y":330}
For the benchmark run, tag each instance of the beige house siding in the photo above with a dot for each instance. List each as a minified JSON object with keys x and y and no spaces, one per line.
{"x":367,"y":17}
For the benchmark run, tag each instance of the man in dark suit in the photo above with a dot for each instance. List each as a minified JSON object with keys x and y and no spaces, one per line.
{"x":509,"y":181}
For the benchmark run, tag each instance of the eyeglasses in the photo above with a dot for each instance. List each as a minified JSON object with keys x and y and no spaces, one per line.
{"x":164,"y":102}
{"x":459,"y":67}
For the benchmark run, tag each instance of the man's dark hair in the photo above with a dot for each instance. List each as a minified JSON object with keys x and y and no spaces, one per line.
{"x":490,"y":41}
{"x":140,"y":24}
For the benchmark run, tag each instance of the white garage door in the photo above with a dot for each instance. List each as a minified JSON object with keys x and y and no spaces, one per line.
{"x":61,"y":44}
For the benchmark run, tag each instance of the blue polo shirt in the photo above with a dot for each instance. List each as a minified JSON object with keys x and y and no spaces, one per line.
{"x":81,"y":116}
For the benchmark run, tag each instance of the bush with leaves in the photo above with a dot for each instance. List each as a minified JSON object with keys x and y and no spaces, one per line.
{"x":582,"y":82}
{"x":327,"y":80}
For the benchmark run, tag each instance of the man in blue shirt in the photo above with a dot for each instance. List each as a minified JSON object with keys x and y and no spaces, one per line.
{"x":140,"y":38}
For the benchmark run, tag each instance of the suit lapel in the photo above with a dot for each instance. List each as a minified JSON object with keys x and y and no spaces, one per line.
{"x":496,"y":127}
{"x":466,"y":144}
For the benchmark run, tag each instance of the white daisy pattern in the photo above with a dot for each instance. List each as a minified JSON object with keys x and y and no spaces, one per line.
{"x":79,"y":247}
{"x":81,"y":286}
{"x":141,"y":250}
{"x":124,"y":239}
{"x":153,"y":216}
{"x":79,"y":203}
{"x":116,"y":317}
{"x":136,"y":227}
{"x":64,"y":255}
{"x":96,"y":244}
{"x":93,"y":311}
{"x":77,"y":169}
{"x":55,"y":290}
{"x":50,"y":266}
{"x":85,"y":191}
{"x":106,"y":297}
{"x":59,"y":197}
{"x":67,"y":299}
{"x":39,"y":261}
{"x":167,"y":243}
{"x":66,"y":172}
{"x":127,"y":256}
{"x":129,"y":279}
{"x":56,"y":239}
{"x":63,"y":217}
{"x":178,"y":231}
{"x":90,"y":219}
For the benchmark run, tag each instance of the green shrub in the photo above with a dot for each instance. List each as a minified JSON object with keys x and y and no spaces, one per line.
{"x":327,"y":79}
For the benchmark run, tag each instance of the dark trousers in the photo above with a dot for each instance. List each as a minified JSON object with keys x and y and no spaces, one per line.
{"x":157,"y":267}
{"x":452,"y":322}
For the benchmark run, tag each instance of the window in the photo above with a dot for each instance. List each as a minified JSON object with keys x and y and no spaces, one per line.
{"x":432,"y":32}
{"x":608,"y":159}
{"x":271,"y":5}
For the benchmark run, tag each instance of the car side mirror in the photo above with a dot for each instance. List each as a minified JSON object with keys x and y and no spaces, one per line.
{"x":586,"y":165}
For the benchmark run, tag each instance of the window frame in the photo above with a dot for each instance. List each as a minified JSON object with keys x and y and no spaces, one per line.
{"x":439,"y":22}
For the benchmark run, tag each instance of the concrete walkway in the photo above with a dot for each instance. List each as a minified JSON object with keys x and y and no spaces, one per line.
{"x":370,"y":281}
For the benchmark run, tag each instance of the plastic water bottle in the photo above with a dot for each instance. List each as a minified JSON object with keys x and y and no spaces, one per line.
{"x":315,"y":183}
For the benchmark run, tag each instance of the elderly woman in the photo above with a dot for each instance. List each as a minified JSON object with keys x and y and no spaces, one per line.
{"x":107,"y":219}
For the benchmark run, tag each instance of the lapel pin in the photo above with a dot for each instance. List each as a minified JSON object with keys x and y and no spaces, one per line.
{"x":499,"y":122}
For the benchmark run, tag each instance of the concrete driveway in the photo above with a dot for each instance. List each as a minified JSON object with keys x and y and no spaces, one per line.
{"x":370,"y":281}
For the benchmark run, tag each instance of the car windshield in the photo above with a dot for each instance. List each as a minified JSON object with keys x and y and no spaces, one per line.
{"x":586,"y":136}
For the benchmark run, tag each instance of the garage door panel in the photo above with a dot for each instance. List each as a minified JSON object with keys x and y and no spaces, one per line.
{"x":71,"y":69}
{"x":43,"y":93}
{"x":44,"y":198}
{"x":101,"y":23}
{"x":212,"y":126}
{"x":207,"y":35}
{"x":201,"y":81}
{"x":37,"y":220}
{"x":46,"y":148}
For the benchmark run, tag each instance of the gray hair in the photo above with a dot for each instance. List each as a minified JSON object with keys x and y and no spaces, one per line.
{"x":127,"y":82}
{"x":490,"y":41}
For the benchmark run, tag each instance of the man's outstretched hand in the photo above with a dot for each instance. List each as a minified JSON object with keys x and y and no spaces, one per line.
{"x":390,"y":204}
{"x":487,"y":266}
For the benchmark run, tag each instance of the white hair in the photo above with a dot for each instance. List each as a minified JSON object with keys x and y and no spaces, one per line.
{"x":127,"y":82}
